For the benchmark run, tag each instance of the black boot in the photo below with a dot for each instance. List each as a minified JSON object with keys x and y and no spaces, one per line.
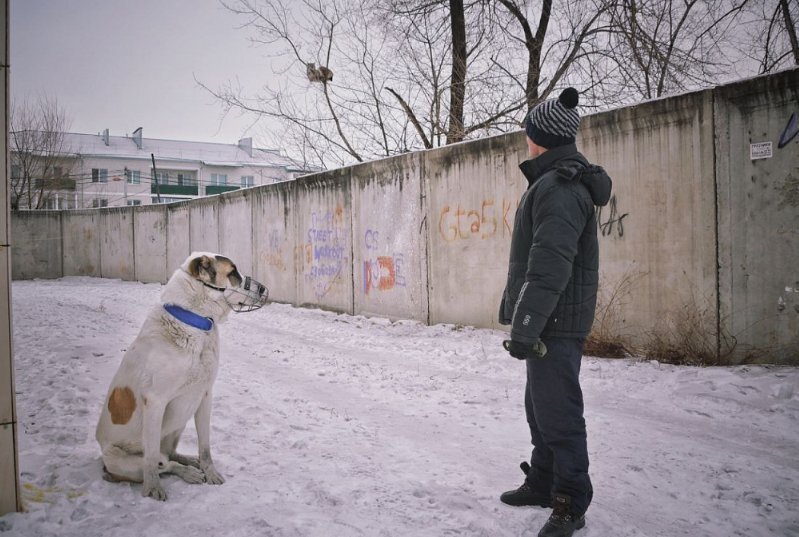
{"x":525,"y":495}
{"x":562,"y":522}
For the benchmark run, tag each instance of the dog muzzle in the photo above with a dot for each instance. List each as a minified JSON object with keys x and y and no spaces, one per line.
{"x":249,"y":296}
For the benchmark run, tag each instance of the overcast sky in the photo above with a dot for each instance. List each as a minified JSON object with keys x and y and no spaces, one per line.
{"x":120,"y":64}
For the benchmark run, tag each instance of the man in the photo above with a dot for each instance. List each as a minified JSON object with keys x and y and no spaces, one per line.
{"x":550,"y":300}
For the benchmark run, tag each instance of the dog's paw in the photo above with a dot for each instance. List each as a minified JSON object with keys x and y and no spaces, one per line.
{"x":185,"y":460}
{"x":190,"y":474}
{"x":154,"y":491}
{"x":212,"y":477}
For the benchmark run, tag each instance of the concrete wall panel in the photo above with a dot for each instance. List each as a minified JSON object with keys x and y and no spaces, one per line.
{"x":116,"y":244}
{"x":235,"y":229}
{"x":473,"y":191}
{"x":390,"y":268}
{"x":204,"y":225}
{"x":178,"y":243}
{"x":81,"y":244}
{"x":275,"y":241}
{"x":658,"y":232}
{"x":149,"y":243}
{"x":324,"y":227}
{"x":759,"y":217}
{"x":36,"y":249}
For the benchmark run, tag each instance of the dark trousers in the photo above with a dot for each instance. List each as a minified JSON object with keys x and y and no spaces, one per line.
{"x":553,"y":402}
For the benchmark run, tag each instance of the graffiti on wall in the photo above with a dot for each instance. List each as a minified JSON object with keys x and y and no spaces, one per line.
{"x":272,"y":255}
{"x":790,"y":132}
{"x":615,"y":221}
{"x":324,"y":255}
{"x":488,"y":220}
{"x":380,"y":272}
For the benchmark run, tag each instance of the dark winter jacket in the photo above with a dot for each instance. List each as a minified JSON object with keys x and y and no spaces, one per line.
{"x":554,"y":255}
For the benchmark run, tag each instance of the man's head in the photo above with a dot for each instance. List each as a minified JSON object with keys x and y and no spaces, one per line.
{"x":553,"y":122}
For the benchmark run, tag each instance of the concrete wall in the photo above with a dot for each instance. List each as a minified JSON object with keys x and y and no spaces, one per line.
{"x":178,"y":243}
{"x":38,"y":254}
{"x":697,"y":233}
{"x":204,"y":225}
{"x":324,"y":243}
{"x":658,"y":232}
{"x":116,"y":244}
{"x":276,"y":254}
{"x":235,"y":229}
{"x":388,"y":239}
{"x":759,"y":218}
{"x":81,"y":244}
{"x":473,"y":190}
{"x":150,"y":244}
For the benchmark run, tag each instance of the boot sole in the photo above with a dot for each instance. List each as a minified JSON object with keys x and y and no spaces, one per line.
{"x":544,"y":505}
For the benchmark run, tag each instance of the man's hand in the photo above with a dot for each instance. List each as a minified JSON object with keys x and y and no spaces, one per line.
{"x":523,"y":351}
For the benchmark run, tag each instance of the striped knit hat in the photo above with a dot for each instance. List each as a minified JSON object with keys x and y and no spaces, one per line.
{"x":554,"y":122}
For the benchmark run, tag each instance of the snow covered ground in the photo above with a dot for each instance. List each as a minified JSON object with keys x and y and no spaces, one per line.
{"x":333,"y":425}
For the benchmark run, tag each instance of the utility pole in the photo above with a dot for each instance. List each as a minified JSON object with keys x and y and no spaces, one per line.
{"x":127,"y":178}
{"x":155,"y":178}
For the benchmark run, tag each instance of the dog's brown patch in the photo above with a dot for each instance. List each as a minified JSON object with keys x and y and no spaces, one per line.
{"x":202,"y":263}
{"x":227,"y":269}
{"x":121,"y":405}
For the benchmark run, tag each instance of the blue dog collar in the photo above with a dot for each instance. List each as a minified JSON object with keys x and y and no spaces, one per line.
{"x":189,"y":317}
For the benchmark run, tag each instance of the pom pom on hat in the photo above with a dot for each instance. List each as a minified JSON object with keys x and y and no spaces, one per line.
{"x":554,"y":122}
{"x":569,"y":98}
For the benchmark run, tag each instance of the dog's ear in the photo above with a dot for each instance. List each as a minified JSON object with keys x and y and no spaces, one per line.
{"x":201,"y":264}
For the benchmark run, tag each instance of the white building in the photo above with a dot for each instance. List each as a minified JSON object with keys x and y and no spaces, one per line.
{"x":107,"y":171}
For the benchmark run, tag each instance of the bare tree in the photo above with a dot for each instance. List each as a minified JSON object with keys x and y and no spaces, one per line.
{"x":41,"y":158}
{"x":354,"y":80}
{"x":666,"y":46}
{"x":771,"y":36}
{"x":559,"y":47}
{"x":408,"y":74}
{"x":457,"y":87}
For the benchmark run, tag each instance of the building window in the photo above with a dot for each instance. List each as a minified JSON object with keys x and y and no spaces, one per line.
{"x":99,"y":203}
{"x":134,"y":177}
{"x":162,"y":178}
{"x":218,"y":179}
{"x":16,"y":172}
{"x":133,"y":202}
{"x":247,"y":180}
{"x":186,"y":179}
{"x":99,"y":175}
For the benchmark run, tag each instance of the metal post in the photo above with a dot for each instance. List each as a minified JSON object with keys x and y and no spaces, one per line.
{"x":9,"y":462}
{"x":155,"y":178}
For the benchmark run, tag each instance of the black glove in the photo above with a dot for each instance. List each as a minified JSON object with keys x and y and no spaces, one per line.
{"x":523,"y":351}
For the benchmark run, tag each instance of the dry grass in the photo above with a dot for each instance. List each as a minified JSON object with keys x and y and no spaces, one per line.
{"x":690,"y":336}
{"x":605,"y":339}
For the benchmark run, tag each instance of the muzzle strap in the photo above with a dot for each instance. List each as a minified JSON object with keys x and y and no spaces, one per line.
{"x":189,"y":317}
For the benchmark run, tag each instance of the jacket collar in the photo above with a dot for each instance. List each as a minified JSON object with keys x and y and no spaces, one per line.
{"x":534,"y":168}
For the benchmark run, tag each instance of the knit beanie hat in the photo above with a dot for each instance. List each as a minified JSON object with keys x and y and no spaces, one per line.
{"x":554,"y":122}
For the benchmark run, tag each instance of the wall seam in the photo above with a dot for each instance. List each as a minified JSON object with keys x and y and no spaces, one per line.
{"x":717,"y":230}
{"x":350,"y":182}
{"x":423,"y":199}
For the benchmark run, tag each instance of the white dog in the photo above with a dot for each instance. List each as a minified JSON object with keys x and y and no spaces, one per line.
{"x":167,"y":374}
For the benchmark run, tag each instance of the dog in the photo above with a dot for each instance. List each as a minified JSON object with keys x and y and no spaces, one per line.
{"x":167,"y":374}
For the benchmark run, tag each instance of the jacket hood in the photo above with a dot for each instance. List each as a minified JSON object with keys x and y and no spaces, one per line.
{"x":569,"y":165}
{"x":598,"y":183}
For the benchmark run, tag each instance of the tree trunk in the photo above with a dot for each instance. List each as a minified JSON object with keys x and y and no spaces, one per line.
{"x":457,"y":89}
{"x":786,"y":14}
